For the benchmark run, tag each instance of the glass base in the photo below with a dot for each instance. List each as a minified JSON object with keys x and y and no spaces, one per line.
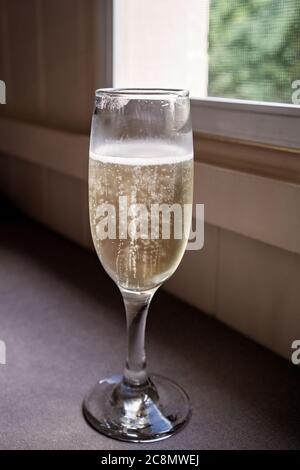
{"x":149,"y":413}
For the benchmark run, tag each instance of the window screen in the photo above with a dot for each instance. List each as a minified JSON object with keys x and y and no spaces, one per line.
{"x":254,"y":49}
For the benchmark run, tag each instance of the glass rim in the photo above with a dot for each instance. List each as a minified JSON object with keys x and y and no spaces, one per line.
{"x":143,"y":93}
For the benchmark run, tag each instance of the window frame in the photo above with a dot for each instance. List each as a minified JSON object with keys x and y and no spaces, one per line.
{"x":274,"y":124}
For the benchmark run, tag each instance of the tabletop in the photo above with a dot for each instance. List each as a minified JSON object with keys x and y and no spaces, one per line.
{"x":63,"y":324}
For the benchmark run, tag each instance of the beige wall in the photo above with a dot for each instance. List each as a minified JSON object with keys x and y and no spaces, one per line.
{"x":46,"y":61}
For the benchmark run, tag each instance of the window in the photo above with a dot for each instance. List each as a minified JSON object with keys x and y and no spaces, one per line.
{"x":240,"y":59}
{"x":241,"y":49}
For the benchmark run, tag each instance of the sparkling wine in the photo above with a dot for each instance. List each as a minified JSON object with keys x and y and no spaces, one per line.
{"x":148,"y":175}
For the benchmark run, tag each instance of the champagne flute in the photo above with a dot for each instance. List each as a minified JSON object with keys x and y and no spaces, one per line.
{"x":140,"y":170}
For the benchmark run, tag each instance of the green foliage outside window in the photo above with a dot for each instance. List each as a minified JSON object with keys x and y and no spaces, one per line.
{"x":254,"y":49}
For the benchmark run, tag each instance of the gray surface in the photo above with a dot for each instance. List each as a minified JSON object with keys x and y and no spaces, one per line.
{"x":63,"y":323}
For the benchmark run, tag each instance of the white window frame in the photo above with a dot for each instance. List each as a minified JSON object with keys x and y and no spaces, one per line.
{"x":256,"y":122}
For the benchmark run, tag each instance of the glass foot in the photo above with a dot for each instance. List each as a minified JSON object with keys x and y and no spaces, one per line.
{"x":149,"y":413}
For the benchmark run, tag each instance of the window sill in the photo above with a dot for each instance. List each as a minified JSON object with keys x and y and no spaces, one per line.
{"x":246,"y":156}
{"x":271,"y":124}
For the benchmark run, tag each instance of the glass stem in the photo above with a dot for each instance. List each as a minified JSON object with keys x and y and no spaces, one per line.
{"x":136,"y":306}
